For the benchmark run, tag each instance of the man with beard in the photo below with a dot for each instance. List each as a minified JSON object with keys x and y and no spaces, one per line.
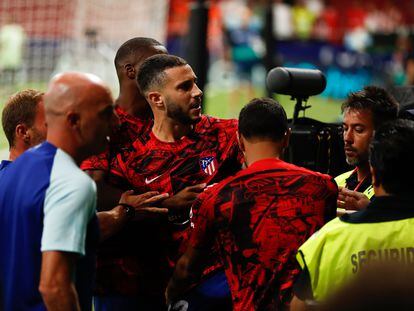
{"x":48,"y":225}
{"x":363,"y":112}
{"x":185,"y":151}
{"x":122,"y":281}
{"x":377,"y":238}
{"x":259,"y":217}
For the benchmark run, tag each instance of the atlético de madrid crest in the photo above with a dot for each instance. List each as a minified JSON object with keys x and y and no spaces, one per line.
{"x":208,"y":165}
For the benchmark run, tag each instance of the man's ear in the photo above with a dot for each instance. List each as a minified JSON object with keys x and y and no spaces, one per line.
{"x":155,"y":99}
{"x":286,"y":139}
{"x":21,"y":132}
{"x":73,"y":119}
{"x":130,"y":71}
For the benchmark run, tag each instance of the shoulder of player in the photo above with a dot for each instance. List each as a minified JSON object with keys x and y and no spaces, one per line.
{"x":213,"y":123}
{"x":214,"y":190}
{"x":129,"y":122}
{"x":66,"y":173}
{"x":307,"y":172}
{"x":78,"y":180}
{"x":38,"y":159}
{"x":334,"y":228}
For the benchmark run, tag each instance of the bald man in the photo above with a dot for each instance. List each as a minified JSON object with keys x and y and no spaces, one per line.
{"x":48,"y":224}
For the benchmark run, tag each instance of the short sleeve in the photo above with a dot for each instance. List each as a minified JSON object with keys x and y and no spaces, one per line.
{"x":302,"y":287}
{"x":331,"y":199}
{"x":309,"y":257}
{"x":119,"y":166}
{"x":70,"y":203}
{"x":309,"y":252}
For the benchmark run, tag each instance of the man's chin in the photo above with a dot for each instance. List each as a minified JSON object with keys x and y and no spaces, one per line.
{"x":352,"y":161}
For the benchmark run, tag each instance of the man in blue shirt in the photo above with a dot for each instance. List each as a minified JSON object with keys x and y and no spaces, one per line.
{"x":48,"y":224}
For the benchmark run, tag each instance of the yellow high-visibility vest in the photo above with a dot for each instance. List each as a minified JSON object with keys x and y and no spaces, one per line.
{"x":338,"y":251}
{"x":341,"y":182}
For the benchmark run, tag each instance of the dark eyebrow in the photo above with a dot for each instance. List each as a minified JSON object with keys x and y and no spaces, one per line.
{"x":354,"y":124}
{"x":183,"y":83}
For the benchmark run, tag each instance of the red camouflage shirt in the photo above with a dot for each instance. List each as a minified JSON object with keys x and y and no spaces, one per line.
{"x":130,"y":129}
{"x":207,"y":155}
{"x":122,"y":268}
{"x":257,"y":220}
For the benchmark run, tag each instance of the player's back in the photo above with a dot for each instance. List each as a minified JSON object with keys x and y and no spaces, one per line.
{"x":264,"y":214}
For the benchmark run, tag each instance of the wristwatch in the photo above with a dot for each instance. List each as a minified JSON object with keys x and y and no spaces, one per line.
{"x":129,"y":210}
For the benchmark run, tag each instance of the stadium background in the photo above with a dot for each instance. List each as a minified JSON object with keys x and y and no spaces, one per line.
{"x":354,"y":42}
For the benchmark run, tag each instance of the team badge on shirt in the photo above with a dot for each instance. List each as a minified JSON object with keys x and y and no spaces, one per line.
{"x":208,"y":165}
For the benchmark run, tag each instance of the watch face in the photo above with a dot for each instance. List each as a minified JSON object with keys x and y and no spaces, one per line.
{"x":129,"y":210}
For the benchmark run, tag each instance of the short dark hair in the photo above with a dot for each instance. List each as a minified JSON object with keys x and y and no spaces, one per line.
{"x":151,"y":73}
{"x":391,"y":156}
{"x":263,"y":118}
{"x":20,"y":109}
{"x":382,"y":105}
{"x":129,"y":49}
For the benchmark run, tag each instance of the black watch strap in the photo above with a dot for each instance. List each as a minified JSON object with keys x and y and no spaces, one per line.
{"x":129,"y":210}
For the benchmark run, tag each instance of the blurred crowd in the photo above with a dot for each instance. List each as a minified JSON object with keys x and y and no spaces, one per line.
{"x":145,"y":203}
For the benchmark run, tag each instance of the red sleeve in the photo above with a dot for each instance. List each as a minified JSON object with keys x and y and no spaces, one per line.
{"x":332,"y":196}
{"x":118,"y":166}
{"x":96,"y":162}
{"x":202,"y":219}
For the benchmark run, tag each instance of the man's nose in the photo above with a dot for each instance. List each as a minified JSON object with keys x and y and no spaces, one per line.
{"x":348,"y":136}
{"x":196,"y":91}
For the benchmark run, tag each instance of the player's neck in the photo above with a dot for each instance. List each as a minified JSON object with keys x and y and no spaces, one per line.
{"x":14,"y":153}
{"x":133,"y":103}
{"x":19,"y":147}
{"x":262,"y":150}
{"x":363,"y":171}
{"x":167,"y":130}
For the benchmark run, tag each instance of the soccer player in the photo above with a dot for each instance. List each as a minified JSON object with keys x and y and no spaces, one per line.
{"x":257,"y":218}
{"x":135,"y":118}
{"x":48,"y":225}
{"x":121,"y":282}
{"x":185,"y":150}
{"x":23,"y":121}
{"x":381,"y":233}
{"x":364,"y":111}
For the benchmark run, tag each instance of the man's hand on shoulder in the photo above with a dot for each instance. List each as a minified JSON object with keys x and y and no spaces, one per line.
{"x":352,"y":200}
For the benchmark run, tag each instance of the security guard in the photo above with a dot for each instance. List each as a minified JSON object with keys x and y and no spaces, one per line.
{"x":363,"y":112}
{"x":383,"y":232}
